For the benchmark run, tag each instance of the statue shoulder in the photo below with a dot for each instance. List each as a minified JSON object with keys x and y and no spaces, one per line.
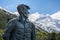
{"x":12,"y":20}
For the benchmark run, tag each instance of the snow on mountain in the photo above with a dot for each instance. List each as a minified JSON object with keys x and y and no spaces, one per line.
{"x":16,"y":13}
{"x":5,"y":10}
{"x":46,"y":22}
{"x":56,"y":15}
{"x":33,"y":17}
{"x":9,"y":12}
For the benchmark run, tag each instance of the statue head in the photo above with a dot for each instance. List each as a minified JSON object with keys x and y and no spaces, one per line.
{"x":23,"y":9}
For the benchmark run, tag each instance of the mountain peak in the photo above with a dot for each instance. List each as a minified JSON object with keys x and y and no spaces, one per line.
{"x":5,"y":10}
{"x":34,"y":16}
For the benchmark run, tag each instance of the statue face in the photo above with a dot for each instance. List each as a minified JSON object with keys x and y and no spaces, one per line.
{"x":25,"y":11}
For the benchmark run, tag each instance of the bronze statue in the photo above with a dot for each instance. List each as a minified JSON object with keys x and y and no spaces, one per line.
{"x":20,"y":28}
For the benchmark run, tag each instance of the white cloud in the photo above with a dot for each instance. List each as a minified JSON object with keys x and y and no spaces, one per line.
{"x":34,"y":16}
{"x":56,"y":15}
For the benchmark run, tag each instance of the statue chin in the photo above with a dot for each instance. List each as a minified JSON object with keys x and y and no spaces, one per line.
{"x":25,"y":15}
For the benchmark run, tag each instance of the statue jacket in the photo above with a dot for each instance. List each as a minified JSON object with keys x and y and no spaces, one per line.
{"x":18,"y":30}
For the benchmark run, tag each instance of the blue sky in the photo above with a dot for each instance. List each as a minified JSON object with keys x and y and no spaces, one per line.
{"x":41,"y":6}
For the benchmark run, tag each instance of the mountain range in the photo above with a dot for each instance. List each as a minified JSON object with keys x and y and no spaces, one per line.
{"x":44,"y":22}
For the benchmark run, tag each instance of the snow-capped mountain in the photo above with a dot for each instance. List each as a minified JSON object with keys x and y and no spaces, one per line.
{"x":47,"y":23}
{"x":7,"y":13}
{"x":3,"y":9}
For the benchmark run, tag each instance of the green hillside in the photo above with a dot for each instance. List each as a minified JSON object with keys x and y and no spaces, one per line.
{"x":4,"y":16}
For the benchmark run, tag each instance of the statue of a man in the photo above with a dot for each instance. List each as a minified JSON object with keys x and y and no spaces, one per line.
{"x":20,"y":28}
